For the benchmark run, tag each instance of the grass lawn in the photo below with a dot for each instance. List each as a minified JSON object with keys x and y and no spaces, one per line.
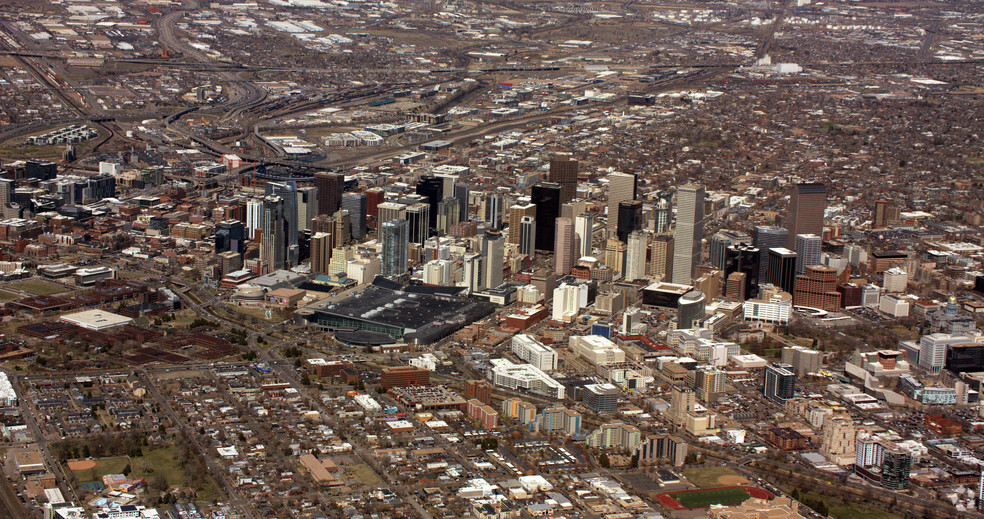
{"x":161,"y":460}
{"x":7,"y":296}
{"x":38,"y":288}
{"x":702,"y":498}
{"x":260,"y":313}
{"x":103,"y":466}
{"x":708,"y":476}
{"x":363,"y":474}
{"x":848,"y":510}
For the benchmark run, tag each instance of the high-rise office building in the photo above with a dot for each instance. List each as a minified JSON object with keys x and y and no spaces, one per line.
{"x":374,"y":197}
{"x":254,"y":217}
{"x":394,"y":235}
{"x":804,"y":215}
{"x":735,"y":287}
{"x":621,"y":187}
{"x":765,"y":238}
{"x":6,"y":190}
{"x":661,"y":257}
{"x":817,"y":288}
{"x":663,"y":212}
{"x":546,"y":197}
{"x":494,"y":209}
{"x":432,"y":188}
{"x":493,"y":246}
{"x":743,"y":258}
{"x":516,"y":213}
{"x":878,"y":219}
{"x":780,"y":382}
{"x":321,"y":247}
{"x":689,"y":232}
{"x":390,"y":210}
{"x":418,"y":218}
{"x":527,"y":236}
{"x":718,"y":243}
{"x":635,"y":255}
{"x":330,"y":187}
{"x":230,"y":235}
{"x":343,"y":227}
{"x":273,"y":243}
{"x":629,"y":218}
{"x":461,"y":193}
{"x":355,"y":204}
{"x":600,"y":398}
{"x":807,"y":251}
{"x":572,"y":208}
{"x":473,"y":271}
{"x":682,"y":402}
{"x":307,"y":207}
{"x":782,"y":269}
{"x":564,"y":249}
{"x":584,"y":228}
{"x":287,"y":191}
{"x":448,"y":211}
{"x":615,"y":255}
{"x":563,"y":170}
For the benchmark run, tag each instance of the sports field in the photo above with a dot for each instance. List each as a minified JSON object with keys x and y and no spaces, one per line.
{"x":717,"y":496}
{"x":689,"y":499}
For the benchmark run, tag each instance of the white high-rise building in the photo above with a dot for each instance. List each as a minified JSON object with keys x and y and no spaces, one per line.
{"x":437,"y":272}
{"x":568,"y":300}
{"x":584,"y":229}
{"x":494,"y":249}
{"x":474,"y":271}
{"x":689,"y":232}
{"x":635,"y":256}
{"x":254,"y":216}
{"x":807,"y":251}
{"x":932,"y":349}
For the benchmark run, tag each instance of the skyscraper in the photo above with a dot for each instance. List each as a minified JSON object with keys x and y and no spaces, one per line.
{"x":418,"y":216}
{"x":473,"y":271}
{"x":355,"y":204}
{"x":494,"y":209}
{"x":663,"y":212}
{"x":516,"y":213}
{"x":527,"y":236}
{"x":330,"y":187}
{"x":615,"y":255}
{"x":461,"y":193}
{"x":307,"y":206}
{"x":621,"y":187}
{"x":563,"y":170}
{"x":765,"y":238}
{"x":804,"y":215}
{"x":321,"y":247}
{"x":745,"y":259}
{"x":807,"y":251}
{"x":287,"y":191}
{"x":374,"y":197}
{"x":432,"y":188}
{"x":343,"y":227}
{"x":273,"y":244}
{"x":718,"y":244}
{"x":780,"y":382}
{"x":494,"y":250}
{"x":230,"y":235}
{"x":881,"y":208}
{"x":782,"y":269}
{"x":635,"y":255}
{"x":584,"y":228}
{"x":661,"y":257}
{"x":629,"y":218}
{"x":447,"y":214}
{"x":394,"y":235}
{"x":689,"y":232}
{"x":564,"y":246}
{"x":546,"y":197}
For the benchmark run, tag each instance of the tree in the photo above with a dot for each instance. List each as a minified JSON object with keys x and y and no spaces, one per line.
{"x":604,"y":461}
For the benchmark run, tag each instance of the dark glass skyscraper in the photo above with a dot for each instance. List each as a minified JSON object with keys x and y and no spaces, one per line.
{"x":431,"y":187}
{"x":546,"y":196}
{"x":629,"y":219}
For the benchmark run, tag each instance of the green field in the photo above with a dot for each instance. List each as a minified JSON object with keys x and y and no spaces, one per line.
{"x":160,"y":461}
{"x":7,"y":296}
{"x":709,"y":477}
{"x":720,"y":496}
{"x":38,"y":288}
{"x":114,"y":465}
{"x":363,"y":474}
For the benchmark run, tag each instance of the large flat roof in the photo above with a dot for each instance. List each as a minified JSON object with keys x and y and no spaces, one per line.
{"x":96,"y":319}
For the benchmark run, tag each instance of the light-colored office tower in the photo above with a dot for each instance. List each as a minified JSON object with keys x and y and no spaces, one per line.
{"x":689,"y":231}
